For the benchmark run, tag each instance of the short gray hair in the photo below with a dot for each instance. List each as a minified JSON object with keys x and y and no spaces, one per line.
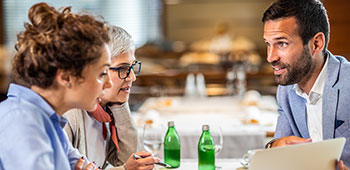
{"x":120,"y":40}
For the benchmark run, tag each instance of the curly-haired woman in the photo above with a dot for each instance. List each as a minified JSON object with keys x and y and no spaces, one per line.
{"x":61,"y":63}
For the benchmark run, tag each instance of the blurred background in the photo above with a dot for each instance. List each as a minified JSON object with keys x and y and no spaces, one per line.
{"x":220,"y":39}
{"x":200,"y":59}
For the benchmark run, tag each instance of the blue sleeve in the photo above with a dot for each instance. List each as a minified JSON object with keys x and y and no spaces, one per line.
{"x":26,"y":146}
{"x":74,"y":155}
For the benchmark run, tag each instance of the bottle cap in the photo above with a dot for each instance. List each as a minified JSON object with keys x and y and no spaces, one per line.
{"x":171,"y":124}
{"x":205,"y":127}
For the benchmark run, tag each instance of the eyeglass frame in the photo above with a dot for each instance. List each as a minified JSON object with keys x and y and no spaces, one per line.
{"x":129,"y":70}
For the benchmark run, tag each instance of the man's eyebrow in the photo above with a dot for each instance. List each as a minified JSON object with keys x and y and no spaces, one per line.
{"x":280,"y":38}
{"x":277,"y":38}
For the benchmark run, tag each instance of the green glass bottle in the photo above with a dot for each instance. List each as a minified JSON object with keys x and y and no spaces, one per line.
{"x":206,"y":150}
{"x":172,"y":146}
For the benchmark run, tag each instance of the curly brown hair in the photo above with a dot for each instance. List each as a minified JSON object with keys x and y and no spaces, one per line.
{"x":56,"y":39}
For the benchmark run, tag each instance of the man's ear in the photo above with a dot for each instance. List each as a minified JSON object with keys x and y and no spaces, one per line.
{"x":317,"y":43}
{"x":63,"y":78}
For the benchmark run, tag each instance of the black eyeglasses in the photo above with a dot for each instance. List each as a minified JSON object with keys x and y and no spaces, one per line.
{"x":124,"y":71}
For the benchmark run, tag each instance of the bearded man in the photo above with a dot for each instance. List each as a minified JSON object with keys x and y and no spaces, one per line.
{"x":314,"y":88}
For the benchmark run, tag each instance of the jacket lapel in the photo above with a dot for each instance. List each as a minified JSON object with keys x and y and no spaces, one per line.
{"x":330,"y":97}
{"x":299,"y":113}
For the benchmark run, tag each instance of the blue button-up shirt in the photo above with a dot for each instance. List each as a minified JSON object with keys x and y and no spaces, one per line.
{"x":31,"y":135}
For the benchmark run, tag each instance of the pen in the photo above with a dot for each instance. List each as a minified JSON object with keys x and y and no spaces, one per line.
{"x":159,"y":163}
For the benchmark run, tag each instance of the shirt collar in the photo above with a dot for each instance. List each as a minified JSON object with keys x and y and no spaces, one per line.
{"x":29,"y":95}
{"x":319,"y":83}
{"x":298,"y":91}
{"x":316,"y":91}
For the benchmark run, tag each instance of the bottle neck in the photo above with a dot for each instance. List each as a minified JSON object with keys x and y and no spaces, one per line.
{"x":205,"y":133}
{"x":206,"y":138}
{"x":171,"y":129}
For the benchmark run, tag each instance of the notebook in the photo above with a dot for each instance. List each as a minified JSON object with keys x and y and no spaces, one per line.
{"x":308,"y":156}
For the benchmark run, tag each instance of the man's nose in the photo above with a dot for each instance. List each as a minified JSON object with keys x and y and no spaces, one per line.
{"x":272,"y":55}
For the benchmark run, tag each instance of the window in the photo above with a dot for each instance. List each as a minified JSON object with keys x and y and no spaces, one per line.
{"x":141,"y":18}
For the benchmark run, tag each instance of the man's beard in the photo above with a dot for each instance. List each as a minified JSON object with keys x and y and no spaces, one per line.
{"x":297,"y":71}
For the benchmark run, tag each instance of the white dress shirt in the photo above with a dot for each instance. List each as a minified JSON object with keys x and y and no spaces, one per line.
{"x":314,"y":105}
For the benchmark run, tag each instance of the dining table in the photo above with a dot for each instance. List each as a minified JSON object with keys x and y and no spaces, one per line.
{"x":245,"y":123}
{"x":221,"y":164}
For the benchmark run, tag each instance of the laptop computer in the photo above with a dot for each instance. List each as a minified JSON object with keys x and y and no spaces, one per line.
{"x":308,"y":156}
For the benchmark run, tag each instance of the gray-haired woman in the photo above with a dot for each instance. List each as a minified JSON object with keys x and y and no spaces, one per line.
{"x":108,"y":134}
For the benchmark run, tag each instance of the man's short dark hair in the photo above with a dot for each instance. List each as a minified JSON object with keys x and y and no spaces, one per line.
{"x":310,"y":15}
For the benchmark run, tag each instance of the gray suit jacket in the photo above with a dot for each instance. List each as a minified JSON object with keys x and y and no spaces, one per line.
{"x":335,"y":107}
{"x":128,"y":140}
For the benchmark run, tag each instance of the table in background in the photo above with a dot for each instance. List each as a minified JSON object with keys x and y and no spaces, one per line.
{"x":225,"y":164}
{"x":244,"y":126}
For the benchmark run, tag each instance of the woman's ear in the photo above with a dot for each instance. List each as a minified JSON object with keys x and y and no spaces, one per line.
{"x":63,"y":78}
{"x":317,"y":43}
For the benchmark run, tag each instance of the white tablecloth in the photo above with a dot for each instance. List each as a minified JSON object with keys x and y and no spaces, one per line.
{"x":235,"y":119}
{"x":225,"y":164}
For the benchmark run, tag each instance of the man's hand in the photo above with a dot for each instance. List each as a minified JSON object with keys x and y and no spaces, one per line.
{"x":341,"y":166}
{"x":289,"y":140}
{"x":145,"y":163}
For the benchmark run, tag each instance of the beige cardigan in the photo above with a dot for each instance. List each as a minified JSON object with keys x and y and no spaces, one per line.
{"x":126,"y":130}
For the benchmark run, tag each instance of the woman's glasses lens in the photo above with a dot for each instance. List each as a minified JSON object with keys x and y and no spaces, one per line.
{"x":137,"y":67}
{"x":124,"y":71}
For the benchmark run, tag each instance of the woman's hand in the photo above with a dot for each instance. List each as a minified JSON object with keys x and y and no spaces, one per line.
{"x":145,"y":163}
{"x":80,"y":164}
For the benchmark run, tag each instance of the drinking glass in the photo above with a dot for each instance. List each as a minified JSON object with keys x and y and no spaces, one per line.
{"x":152,"y":137}
{"x":216,"y":133}
{"x":245,"y":160}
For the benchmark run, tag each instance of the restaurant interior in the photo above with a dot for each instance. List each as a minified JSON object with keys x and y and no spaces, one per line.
{"x":203,"y":62}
